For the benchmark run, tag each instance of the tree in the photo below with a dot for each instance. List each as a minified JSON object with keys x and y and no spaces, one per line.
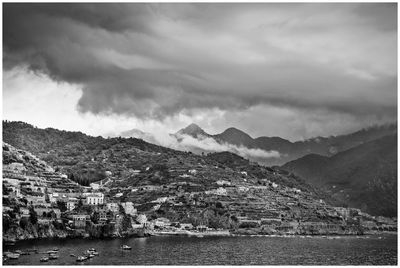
{"x":95,"y":217}
{"x":33,"y":215}
{"x":23,"y":223}
{"x":122,"y":210}
{"x":126,"y":222}
{"x":80,"y":204}
{"x":62,"y":206}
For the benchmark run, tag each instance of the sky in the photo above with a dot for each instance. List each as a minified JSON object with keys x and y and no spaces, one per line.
{"x":291,"y":70}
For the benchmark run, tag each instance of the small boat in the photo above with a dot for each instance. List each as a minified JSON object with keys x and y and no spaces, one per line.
{"x":12,"y":256}
{"x":90,"y":256}
{"x":44,"y":259}
{"x":52,"y":252}
{"x":18,"y":252}
{"x":72,"y":255}
{"x":81,"y":258}
{"x":53,"y":256}
{"x":126,"y":247}
{"x":55,"y":249}
{"x":95,"y":253}
{"x":92,"y":249}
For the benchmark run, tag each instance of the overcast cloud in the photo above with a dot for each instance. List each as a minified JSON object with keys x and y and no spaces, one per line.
{"x":270,"y":69}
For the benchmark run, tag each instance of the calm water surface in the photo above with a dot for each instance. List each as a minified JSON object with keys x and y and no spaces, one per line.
{"x":363,"y":250}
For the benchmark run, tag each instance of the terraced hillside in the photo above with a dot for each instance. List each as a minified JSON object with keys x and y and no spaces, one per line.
{"x":220,"y":190}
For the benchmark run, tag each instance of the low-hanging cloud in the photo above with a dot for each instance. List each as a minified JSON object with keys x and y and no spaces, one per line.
{"x":152,"y":61}
{"x":183,"y":142}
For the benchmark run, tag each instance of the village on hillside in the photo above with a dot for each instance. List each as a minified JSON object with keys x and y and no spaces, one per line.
{"x":39,"y":202}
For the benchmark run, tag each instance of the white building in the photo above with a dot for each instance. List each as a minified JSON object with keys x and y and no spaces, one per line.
{"x":129,"y":208}
{"x":95,"y":199}
{"x":71,"y":203}
{"x":113,"y":207}
{"x":218,"y":191}
{"x":160,"y":200}
{"x":95,"y":186}
{"x":53,"y":197}
{"x":162,"y":222}
{"x":35,"y":199}
{"x":223,"y":182}
{"x":142,"y":219}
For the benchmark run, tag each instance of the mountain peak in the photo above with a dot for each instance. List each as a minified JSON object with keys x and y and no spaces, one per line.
{"x":235,"y":136}
{"x":235,"y":132}
{"x":193,"y":130}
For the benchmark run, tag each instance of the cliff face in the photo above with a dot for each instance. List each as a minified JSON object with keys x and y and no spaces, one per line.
{"x":16,"y":233}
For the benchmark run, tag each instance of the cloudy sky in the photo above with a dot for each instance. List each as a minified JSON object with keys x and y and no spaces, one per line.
{"x":289,"y":70}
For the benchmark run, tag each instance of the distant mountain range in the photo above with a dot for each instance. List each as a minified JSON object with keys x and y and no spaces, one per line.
{"x":364,"y":176}
{"x":288,"y":151}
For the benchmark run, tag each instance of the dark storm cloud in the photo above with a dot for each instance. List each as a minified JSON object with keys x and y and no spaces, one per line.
{"x":156,"y":60}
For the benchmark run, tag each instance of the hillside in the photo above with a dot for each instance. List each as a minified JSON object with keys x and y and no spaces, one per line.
{"x":364,"y":176}
{"x":83,"y":158}
{"x":88,"y":159}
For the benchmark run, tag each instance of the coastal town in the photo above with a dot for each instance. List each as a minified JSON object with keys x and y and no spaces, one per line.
{"x":39,"y":202}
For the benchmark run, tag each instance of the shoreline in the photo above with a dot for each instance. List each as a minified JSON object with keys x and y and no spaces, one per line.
{"x":224,"y":233}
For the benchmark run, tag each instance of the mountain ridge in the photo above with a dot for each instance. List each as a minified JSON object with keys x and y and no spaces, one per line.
{"x":293,"y":150}
{"x":363,"y":176}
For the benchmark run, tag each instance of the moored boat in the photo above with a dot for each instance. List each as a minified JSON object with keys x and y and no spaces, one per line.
{"x":126,"y":247}
{"x":44,"y":259}
{"x":81,"y":258}
{"x":53,"y":256}
{"x":12,"y":256}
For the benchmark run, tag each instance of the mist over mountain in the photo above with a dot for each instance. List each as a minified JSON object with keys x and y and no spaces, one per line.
{"x":267,"y":150}
{"x":193,"y":130}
